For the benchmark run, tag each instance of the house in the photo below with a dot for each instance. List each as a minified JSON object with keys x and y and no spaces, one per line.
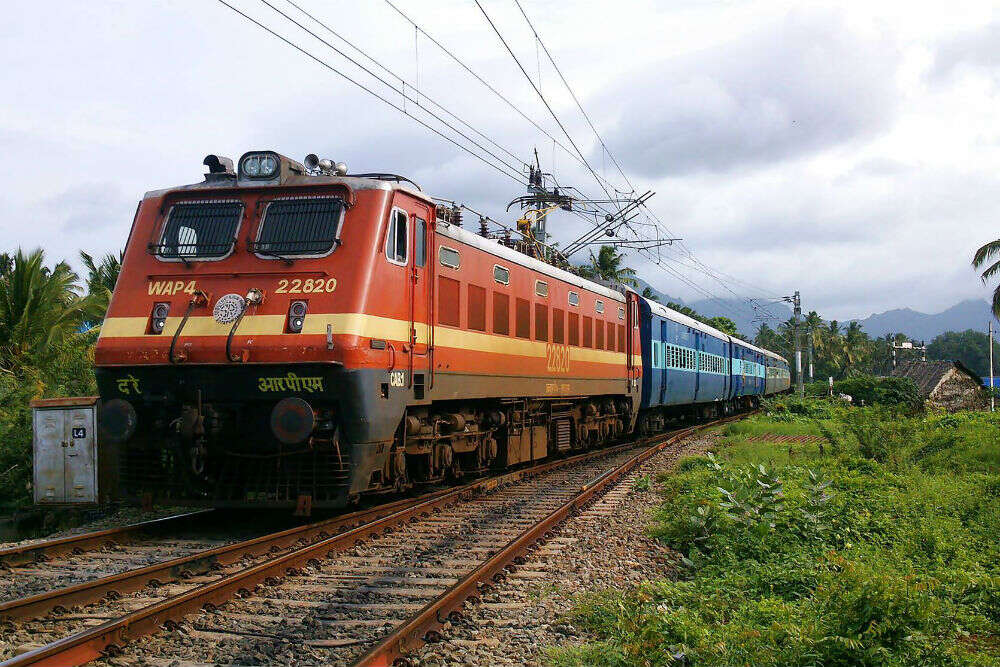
{"x":945,"y":384}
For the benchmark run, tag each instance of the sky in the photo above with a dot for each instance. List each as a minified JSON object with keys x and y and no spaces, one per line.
{"x":849,"y":150}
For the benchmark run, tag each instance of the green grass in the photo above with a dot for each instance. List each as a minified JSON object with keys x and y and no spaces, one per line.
{"x":881,"y":549}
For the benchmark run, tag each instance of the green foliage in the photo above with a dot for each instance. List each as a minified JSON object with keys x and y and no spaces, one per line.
{"x":971,"y":347}
{"x":723,"y":324}
{"x":39,"y":309}
{"x":42,"y":353}
{"x":871,"y":390}
{"x":881,"y":551}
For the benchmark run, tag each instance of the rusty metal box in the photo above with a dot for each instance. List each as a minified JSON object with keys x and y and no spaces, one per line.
{"x":66,"y":462}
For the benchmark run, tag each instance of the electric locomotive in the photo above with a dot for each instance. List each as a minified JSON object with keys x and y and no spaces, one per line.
{"x":286,"y":333}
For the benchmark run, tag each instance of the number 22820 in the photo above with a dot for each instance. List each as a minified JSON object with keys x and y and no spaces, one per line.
{"x":307,"y":286}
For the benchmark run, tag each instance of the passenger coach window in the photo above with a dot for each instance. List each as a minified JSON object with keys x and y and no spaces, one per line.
{"x":299,"y":227}
{"x":199,"y":230}
{"x":396,"y":240}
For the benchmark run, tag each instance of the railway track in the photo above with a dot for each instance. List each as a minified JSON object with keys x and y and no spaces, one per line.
{"x":366,"y":588}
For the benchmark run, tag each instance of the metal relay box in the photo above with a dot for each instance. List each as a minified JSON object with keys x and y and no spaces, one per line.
{"x":67,"y":463}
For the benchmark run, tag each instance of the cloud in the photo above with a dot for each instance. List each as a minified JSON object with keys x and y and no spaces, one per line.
{"x":978,"y":49}
{"x":87,"y":207}
{"x":796,"y":86}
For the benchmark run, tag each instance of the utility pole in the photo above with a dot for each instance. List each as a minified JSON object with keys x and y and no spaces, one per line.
{"x":908,"y":345}
{"x":796,"y":302}
{"x":810,"y":359}
{"x":992,"y":390}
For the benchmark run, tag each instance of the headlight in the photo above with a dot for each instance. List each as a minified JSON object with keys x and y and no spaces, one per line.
{"x":259,"y":165}
{"x":296,"y":316}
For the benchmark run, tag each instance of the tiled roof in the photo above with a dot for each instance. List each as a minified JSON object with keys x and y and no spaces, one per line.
{"x":928,"y":374}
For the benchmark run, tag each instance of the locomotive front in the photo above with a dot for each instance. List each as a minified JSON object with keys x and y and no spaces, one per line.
{"x":236,"y":364}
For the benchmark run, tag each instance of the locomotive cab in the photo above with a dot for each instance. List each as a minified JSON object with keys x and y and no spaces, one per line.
{"x":260,"y":330}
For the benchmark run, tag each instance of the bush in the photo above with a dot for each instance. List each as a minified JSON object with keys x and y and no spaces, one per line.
{"x":883,"y":552}
{"x":67,"y":371}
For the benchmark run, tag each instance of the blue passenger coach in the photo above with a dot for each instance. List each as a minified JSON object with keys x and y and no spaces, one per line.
{"x":690,"y":368}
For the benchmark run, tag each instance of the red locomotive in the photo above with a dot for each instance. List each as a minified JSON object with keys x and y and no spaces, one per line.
{"x":282,"y":332}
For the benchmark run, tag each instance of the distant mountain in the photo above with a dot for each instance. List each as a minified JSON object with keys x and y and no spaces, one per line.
{"x":969,"y":314}
{"x":738,"y":310}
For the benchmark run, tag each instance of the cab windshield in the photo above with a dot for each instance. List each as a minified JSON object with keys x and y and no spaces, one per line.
{"x":300,"y":227}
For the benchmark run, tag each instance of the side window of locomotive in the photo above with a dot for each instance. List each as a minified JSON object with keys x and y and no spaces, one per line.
{"x":199,"y":230}
{"x":449,"y":257}
{"x":501,"y":275}
{"x":420,"y":251}
{"x":396,"y":240}
{"x":300,"y":227}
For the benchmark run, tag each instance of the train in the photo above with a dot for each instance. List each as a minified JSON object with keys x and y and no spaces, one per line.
{"x":285,"y":333}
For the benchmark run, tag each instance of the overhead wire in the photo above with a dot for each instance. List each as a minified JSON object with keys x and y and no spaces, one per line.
{"x":542,"y":97}
{"x":517,"y":177}
{"x":579,"y":106}
{"x":414,"y":87}
{"x":401,"y":91}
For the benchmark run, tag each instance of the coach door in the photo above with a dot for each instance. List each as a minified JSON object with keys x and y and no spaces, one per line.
{"x":421,"y":299}
{"x":631,"y":324}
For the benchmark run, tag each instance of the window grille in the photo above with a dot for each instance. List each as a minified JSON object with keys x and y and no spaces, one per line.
{"x":300,"y":227}
{"x":199,"y":230}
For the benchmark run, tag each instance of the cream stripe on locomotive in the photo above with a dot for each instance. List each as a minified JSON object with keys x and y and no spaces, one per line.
{"x":358,"y":324}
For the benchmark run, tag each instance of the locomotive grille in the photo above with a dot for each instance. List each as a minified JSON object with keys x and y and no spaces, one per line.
{"x":300,"y":226}
{"x":199,"y":230}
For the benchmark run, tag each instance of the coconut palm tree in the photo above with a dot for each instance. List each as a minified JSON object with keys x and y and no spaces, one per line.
{"x":608,"y":266}
{"x":39,"y":307}
{"x":988,"y":254}
{"x":101,"y":280}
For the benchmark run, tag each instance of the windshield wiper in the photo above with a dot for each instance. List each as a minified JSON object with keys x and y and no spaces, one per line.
{"x":270,"y":253}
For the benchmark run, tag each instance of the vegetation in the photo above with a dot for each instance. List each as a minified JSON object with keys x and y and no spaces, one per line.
{"x":971,"y":347}
{"x":608,"y":266}
{"x":46,"y":348}
{"x":989,"y":254}
{"x":873,"y":544}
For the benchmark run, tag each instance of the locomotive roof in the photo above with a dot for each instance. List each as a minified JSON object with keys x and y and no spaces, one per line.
{"x":498,"y":250}
{"x":355,"y":183}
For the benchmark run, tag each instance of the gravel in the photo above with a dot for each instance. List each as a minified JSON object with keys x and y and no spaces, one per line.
{"x":605,"y":547}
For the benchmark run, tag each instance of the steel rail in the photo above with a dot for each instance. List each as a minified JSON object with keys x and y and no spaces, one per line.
{"x":424,"y":626}
{"x":30,"y":553}
{"x":107,"y":638}
{"x":196,"y":563}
